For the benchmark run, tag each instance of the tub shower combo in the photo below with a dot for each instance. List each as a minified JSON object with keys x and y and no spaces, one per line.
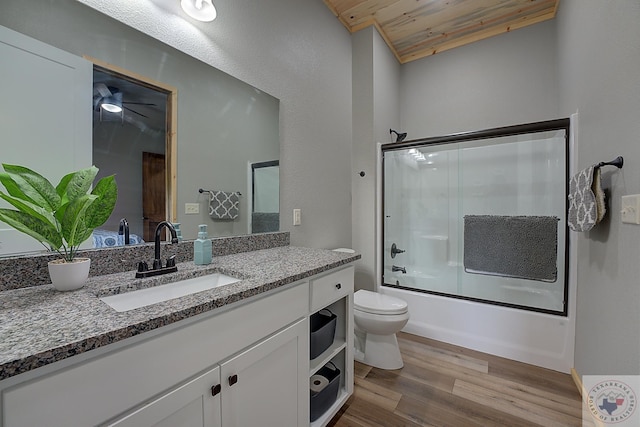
{"x":475,"y":238}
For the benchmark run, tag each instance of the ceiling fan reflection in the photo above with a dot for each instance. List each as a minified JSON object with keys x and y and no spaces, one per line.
{"x":110,"y":99}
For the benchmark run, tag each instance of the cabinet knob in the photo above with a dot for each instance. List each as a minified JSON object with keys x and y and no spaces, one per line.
{"x":339,"y":286}
{"x":233,"y":379}
{"x":215,"y":389}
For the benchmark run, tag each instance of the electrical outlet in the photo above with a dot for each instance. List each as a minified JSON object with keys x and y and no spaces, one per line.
{"x":192,"y":208}
{"x":296,"y":217}
{"x":631,"y":209}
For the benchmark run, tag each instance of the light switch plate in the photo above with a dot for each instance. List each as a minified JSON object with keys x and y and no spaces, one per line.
{"x":296,"y":217}
{"x":631,"y":209}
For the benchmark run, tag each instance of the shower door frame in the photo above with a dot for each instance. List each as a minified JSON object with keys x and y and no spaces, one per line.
{"x":544,"y":126}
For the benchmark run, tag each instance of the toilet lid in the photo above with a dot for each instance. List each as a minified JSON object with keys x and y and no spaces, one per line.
{"x":375,"y":303}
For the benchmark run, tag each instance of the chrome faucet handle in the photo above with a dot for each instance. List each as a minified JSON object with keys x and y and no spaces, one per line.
{"x":395,"y":250}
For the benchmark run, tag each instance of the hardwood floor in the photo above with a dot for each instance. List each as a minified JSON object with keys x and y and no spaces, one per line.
{"x":444,"y":385}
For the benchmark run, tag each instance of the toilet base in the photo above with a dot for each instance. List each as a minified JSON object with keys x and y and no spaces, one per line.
{"x":380,"y":351}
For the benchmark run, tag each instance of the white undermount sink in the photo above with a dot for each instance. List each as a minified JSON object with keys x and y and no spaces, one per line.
{"x":143,"y":297}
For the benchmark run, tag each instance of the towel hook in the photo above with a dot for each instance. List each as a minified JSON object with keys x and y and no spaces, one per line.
{"x":617,"y":162}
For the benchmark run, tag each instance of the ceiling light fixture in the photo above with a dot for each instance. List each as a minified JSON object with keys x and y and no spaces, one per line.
{"x":113,"y":103}
{"x":202,"y":10}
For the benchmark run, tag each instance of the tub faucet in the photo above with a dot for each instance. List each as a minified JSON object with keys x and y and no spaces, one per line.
{"x":395,"y":268}
{"x":124,"y":229}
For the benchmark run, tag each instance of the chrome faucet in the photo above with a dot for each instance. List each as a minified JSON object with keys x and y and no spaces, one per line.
{"x":124,"y":229}
{"x":395,"y":268}
{"x":170,"y":267}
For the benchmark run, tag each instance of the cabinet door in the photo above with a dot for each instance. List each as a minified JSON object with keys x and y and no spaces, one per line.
{"x":268,"y":384}
{"x":194,"y":404}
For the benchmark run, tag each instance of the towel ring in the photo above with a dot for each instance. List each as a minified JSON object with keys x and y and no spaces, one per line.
{"x":617,"y":162}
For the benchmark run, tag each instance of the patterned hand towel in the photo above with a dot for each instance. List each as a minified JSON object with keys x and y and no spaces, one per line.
{"x":586,"y":200}
{"x":224,"y":205}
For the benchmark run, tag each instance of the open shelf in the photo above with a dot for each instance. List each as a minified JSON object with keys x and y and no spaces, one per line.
{"x":338,"y":300}
{"x":326,"y":356}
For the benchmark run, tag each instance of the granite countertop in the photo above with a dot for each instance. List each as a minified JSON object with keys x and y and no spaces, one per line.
{"x":39,"y":325}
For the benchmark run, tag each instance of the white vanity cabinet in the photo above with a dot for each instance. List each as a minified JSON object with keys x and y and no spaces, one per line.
{"x":238,"y":392}
{"x":245,"y":364}
{"x":169,"y":372}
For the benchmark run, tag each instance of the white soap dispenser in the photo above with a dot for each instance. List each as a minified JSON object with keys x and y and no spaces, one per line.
{"x":202,"y":247}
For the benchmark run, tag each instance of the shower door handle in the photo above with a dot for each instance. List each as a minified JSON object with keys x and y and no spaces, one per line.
{"x":395,"y":250}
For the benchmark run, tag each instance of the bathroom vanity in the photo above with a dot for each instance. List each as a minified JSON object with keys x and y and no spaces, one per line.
{"x":236,"y":355}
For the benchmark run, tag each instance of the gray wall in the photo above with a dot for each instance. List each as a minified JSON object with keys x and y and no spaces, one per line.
{"x":297,"y":51}
{"x":599,"y":63}
{"x":376,"y":95}
{"x":504,"y":80}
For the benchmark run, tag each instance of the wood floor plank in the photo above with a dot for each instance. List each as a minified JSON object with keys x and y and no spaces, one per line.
{"x":360,"y":369}
{"x":376,"y":395}
{"x":552,"y":400}
{"x":361,"y":414}
{"x":454,"y":358}
{"x":445,"y":385}
{"x":418,"y":374}
{"x":442,"y":409}
{"x":542,"y":378}
{"x":513,"y":406}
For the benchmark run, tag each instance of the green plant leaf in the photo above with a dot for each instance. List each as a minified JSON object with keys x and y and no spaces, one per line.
{"x":100,"y":210}
{"x":12,"y":187}
{"x":76,"y":185}
{"x":74,"y":225}
{"x":34,"y":227}
{"x":61,"y":188}
{"x":34,"y":186}
{"x":31,"y":209}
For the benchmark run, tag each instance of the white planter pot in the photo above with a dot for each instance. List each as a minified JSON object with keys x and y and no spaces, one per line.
{"x":67,"y":276}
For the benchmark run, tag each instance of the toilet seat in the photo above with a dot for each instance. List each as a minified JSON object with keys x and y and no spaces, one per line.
{"x":375,"y":303}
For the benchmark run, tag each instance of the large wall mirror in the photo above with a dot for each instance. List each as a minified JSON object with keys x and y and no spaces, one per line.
{"x":224,"y":126}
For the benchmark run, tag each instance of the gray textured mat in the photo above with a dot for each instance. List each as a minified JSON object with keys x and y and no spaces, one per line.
{"x":525,"y":247}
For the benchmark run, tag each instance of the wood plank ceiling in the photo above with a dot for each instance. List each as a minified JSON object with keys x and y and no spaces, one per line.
{"x":414,"y":29}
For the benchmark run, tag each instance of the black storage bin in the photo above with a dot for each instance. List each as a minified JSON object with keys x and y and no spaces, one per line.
{"x":323,"y":330}
{"x":322,"y":400}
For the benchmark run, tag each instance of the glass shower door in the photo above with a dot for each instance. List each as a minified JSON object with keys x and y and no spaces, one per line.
{"x":482,"y":218}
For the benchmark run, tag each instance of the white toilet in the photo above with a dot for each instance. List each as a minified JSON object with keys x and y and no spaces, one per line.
{"x":378,"y":317}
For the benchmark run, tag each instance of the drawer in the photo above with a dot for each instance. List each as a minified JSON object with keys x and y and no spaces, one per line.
{"x":331,"y":287}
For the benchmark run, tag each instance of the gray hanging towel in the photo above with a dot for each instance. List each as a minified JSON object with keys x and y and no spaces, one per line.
{"x":224,"y":205}
{"x":586,"y":200}
{"x":524,"y":247}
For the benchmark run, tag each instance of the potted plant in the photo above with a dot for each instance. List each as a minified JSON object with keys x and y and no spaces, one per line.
{"x":60,"y":217}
